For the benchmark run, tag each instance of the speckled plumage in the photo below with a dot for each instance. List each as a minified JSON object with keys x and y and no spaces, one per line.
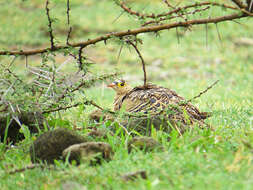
{"x":155,"y":99}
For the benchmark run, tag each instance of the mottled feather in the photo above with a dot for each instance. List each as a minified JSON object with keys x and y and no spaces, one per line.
{"x":154,"y":99}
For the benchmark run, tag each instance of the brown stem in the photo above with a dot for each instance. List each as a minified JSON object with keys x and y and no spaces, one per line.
{"x":50,"y":26}
{"x":61,"y":108}
{"x":176,"y":10}
{"x":176,"y":16}
{"x":142,"y":61}
{"x":203,"y":92}
{"x":68,"y":21}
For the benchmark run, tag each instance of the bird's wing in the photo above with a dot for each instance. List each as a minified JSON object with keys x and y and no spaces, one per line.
{"x":150,"y":99}
{"x":153,"y":99}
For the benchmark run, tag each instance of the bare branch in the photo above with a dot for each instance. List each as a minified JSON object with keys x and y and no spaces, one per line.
{"x":203,"y":92}
{"x":50,"y":29}
{"x":61,"y":108}
{"x":142,"y":60}
{"x":80,"y":57}
{"x":68,"y":10}
{"x":176,"y":16}
{"x":176,"y":10}
{"x":68,"y":36}
{"x":168,"y":4}
{"x":68,"y":21}
{"x":91,"y":102}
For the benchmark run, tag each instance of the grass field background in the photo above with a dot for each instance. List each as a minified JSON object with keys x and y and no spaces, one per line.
{"x":200,"y":159}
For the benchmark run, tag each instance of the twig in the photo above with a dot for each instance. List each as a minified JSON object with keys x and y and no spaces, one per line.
{"x":29,"y":167}
{"x":216,"y":25}
{"x":62,"y":108}
{"x":142,"y":60}
{"x":203,"y":92}
{"x":68,"y":36}
{"x":91,"y":102}
{"x":50,"y":26}
{"x":68,"y":10}
{"x":80,"y":57}
{"x":239,"y":3}
{"x":68,"y":21}
{"x":179,"y":9}
{"x":178,"y":15}
{"x":168,"y":4}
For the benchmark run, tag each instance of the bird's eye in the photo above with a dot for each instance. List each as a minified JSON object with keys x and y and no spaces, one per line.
{"x":121,"y":84}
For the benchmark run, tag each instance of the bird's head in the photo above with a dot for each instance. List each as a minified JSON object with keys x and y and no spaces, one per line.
{"x":120,"y":86}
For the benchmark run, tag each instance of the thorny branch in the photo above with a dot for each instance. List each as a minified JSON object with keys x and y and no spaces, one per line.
{"x":203,"y":92}
{"x":176,"y":10}
{"x":176,"y":16}
{"x":80,"y":57}
{"x":242,"y":12}
{"x":50,"y":29}
{"x":68,"y":21}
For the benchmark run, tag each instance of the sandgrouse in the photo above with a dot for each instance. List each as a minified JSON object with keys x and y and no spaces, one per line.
{"x":155,"y":100}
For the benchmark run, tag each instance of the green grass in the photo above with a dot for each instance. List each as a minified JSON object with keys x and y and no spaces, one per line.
{"x":200,"y":159}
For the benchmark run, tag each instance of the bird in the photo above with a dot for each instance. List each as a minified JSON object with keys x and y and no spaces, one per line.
{"x":155,"y":100}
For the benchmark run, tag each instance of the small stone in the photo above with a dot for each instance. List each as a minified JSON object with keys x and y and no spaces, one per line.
{"x":49,"y":146}
{"x":144,"y":143}
{"x":135,"y":175}
{"x":92,"y":152}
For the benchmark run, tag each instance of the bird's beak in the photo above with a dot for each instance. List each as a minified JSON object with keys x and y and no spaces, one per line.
{"x":111,"y":85}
